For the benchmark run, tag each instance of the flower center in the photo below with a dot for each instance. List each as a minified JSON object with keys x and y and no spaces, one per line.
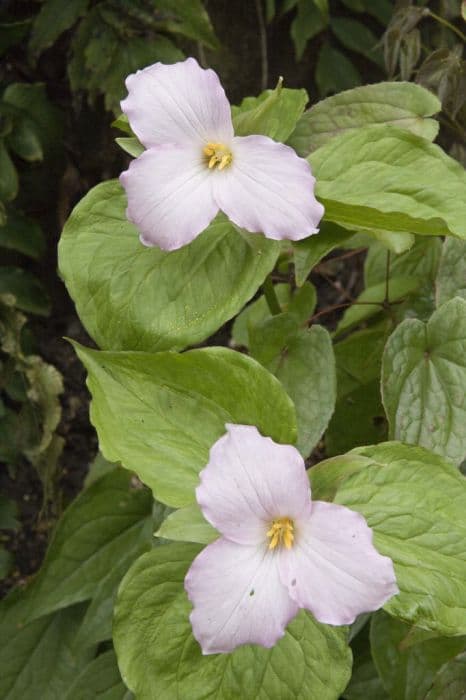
{"x":218,"y":155}
{"x":281,"y":532}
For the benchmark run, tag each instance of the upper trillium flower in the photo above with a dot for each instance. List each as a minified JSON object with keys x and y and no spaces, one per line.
{"x":194,"y":166}
{"x":279,"y":551}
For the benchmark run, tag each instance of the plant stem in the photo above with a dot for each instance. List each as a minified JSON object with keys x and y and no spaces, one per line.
{"x":446,"y":23}
{"x":271,"y":297}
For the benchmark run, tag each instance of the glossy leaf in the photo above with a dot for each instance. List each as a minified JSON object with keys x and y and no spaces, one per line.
{"x":404,"y":105}
{"x":158,"y":655}
{"x":133,"y":297}
{"x":176,"y":407}
{"x":424,"y":381}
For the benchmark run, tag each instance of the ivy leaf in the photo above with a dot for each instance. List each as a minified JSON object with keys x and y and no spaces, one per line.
{"x":424,"y":381}
{"x":176,"y":407}
{"x":404,"y":105}
{"x":158,"y":655}
{"x":137,"y":298}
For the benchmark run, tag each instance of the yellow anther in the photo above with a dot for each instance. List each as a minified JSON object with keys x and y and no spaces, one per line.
{"x":217,"y":155}
{"x":281,"y":532}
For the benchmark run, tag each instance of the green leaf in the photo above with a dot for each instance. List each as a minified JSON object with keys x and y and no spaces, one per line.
{"x":370,"y":302}
{"x":424,"y":381}
{"x":407,"y":674}
{"x":22,"y":234}
{"x":451,"y":278}
{"x":99,"y":679}
{"x":53,"y":19}
{"x":105,"y":522}
{"x":449,"y":682}
{"x":39,"y":659}
{"x":404,"y":105}
{"x":11,"y":33}
{"x":311,"y":18}
{"x":132,"y":297}
{"x":310,"y":251}
{"x":8,"y":513}
{"x":420,"y":261}
{"x":8,"y":175}
{"x":301,"y":304}
{"x":365,"y":683}
{"x":176,"y":407}
{"x":130,"y":145}
{"x":159,"y":657}
{"x":28,"y":291}
{"x":334,"y":71}
{"x":415,"y":503}
{"x":302,"y":359}
{"x":190,"y":19}
{"x":187,"y":525}
{"x":273,"y":113}
{"x":25,"y":141}
{"x":381,"y":177}
{"x":357,"y":37}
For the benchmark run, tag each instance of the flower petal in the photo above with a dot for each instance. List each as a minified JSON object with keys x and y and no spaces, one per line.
{"x":333,"y":569}
{"x":237,"y":597}
{"x":249,"y":481}
{"x":178,"y":103}
{"x":169,"y":193}
{"x":269,"y":189}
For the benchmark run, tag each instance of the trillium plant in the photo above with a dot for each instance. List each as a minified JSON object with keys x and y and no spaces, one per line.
{"x":281,"y":467}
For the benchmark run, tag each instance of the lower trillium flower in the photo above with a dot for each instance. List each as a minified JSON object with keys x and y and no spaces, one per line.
{"x":279,"y":551}
{"x":194,"y":166}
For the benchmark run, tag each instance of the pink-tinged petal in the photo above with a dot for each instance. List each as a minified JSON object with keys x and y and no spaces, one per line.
{"x":249,"y":481}
{"x":169,"y":192}
{"x":333,"y":569}
{"x":177,"y":103}
{"x":237,"y":597}
{"x":269,"y":189}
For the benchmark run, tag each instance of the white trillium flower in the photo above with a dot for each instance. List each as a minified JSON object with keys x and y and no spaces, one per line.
{"x":195,"y":167}
{"x":278,"y":551}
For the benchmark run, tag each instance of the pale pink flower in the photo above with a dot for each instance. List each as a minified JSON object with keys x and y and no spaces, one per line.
{"x":279,"y":551}
{"x":194,"y":166}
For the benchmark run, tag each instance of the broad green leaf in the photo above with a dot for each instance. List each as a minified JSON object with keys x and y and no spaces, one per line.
{"x":300,"y":304}
{"x":404,"y":105}
{"x":311,"y":18}
{"x":334,"y":71}
{"x":420,"y":261}
{"x":102,"y":525}
{"x":27,"y":289}
{"x":382,"y":177}
{"x":359,"y":357}
{"x":22,"y":234}
{"x":130,"y":145}
{"x":451,"y":278}
{"x":187,"y":525}
{"x":158,"y":656}
{"x":310,"y":251}
{"x":424,"y":381}
{"x":357,"y":37}
{"x":408,"y":673}
{"x":53,"y":19}
{"x":302,"y":359}
{"x":132,"y":297}
{"x":38,"y":660}
{"x":8,"y":175}
{"x":449,"y":683}
{"x":415,"y":502}
{"x":371,"y":301}
{"x":99,"y":679}
{"x":273,"y":113}
{"x":176,"y":407}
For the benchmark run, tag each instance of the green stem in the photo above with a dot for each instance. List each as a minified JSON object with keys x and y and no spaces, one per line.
{"x":271,"y":297}
{"x":446,"y":23}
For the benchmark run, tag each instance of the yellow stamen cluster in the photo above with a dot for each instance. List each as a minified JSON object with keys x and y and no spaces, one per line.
{"x":281,"y":532}
{"x":218,"y":155}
